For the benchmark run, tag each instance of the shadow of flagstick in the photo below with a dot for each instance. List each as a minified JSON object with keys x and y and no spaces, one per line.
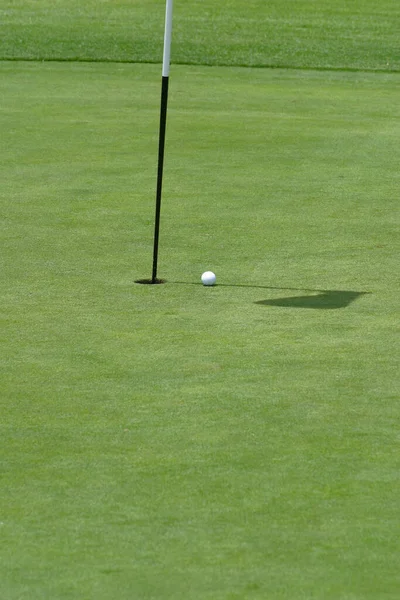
{"x":326,"y":300}
{"x":316,"y":299}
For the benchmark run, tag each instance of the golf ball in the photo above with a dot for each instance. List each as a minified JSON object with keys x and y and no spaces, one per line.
{"x":208,"y":278}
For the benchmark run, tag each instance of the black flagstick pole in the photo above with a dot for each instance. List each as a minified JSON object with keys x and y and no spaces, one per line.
{"x":163,"y":121}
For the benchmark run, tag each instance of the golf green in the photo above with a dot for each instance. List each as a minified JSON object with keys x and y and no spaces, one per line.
{"x":167,"y":441}
{"x":233,"y":442}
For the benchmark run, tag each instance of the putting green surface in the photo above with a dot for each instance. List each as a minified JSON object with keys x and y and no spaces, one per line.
{"x":174,"y":441}
{"x":238,"y":442}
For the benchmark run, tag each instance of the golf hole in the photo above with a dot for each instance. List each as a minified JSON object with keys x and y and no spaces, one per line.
{"x":150,"y":281}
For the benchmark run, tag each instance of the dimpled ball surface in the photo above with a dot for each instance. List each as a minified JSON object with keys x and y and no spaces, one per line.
{"x":208,"y":278}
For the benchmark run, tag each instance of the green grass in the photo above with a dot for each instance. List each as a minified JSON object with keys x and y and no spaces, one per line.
{"x":175,"y":441}
{"x":178,"y":441}
{"x":361,"y":34}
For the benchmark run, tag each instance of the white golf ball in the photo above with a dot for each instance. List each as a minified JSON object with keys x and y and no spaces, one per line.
{"x":208,"y":278}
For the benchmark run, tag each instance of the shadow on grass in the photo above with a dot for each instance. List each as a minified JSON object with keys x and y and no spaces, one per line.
{"x":315,"y":299}
{"x":326,"y":300}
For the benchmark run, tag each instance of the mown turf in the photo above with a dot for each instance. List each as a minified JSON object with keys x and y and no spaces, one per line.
{"x":362,"y":34}
{"x":176,"y":441}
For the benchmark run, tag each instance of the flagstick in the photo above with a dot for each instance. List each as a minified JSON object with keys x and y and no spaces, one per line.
{"x":163,"y":121}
